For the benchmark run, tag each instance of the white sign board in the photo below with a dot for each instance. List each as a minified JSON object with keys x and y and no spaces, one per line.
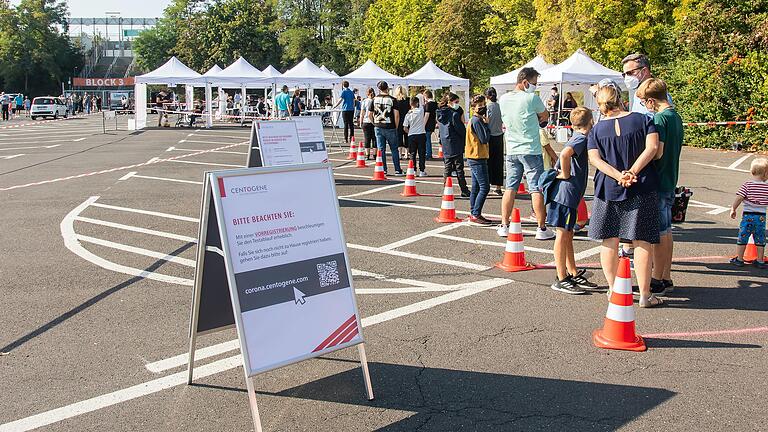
{"x":311,"y":139}
{"x":278,"y":143}
{"x":287,"y":265}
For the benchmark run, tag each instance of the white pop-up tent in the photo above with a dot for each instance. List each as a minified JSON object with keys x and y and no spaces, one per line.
{"x":369,"y":74}
{"x":430,"y":75}
{"x":307,"y":75}
{"x":577,"y":73}
{"x":507,"y":81}
{"x":172,"y":73}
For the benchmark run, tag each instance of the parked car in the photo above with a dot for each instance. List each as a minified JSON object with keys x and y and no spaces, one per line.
{"x":48,"y":106}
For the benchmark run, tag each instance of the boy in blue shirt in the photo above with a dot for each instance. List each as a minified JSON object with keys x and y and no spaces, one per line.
{"x":566,"y":193}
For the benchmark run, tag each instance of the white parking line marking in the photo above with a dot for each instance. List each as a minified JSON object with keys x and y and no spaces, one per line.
{"x":167,"y":179}
{"x":146,"y":212}
{"x":421,"y":236}
{"x":431,"y":259}
{"x":720,"y":167}
{"x":207,"y":163}
{"x":135,"y":229}
{"x":137,"y":250}
{"x":215,"y":151}
{"x":29,"y":148}
{"x":489,"y":243}
{"x":180,"y":378}
{"x":738,"y":161}
{"x":70,"y":241}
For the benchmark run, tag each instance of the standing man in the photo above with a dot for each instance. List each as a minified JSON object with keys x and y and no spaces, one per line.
{"x":282,"y":101}
{"x":430,"y":119}
{"x":347,"y":101}
{"x":5,"y":103}
{"x":385,"y":118}
{"x":521,"y":112}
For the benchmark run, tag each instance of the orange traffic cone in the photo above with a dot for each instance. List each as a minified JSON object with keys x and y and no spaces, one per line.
{"x":521,"y":190}
{"x":582,"y":215}
{"x":352,"y":150}
{"x":440,"y":151}
{"x":447,"y":207}
{"x":514,"y":252}
{"x":410,"y":181}
{"x":750,"y":253}
{"x":618,"y":331}
{"x":361,"y":157}
{"x":378,"y":170}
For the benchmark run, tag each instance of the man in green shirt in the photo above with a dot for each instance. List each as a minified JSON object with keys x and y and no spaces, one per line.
{"x":521,"y":112}
{"x":652,"y":93}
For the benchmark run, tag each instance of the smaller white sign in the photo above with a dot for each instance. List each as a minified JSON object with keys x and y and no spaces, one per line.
{"x":311,"y":139}
{"x":279,"y":143}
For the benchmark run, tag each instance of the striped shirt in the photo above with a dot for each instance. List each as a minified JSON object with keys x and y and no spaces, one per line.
{"x":755,"y":196}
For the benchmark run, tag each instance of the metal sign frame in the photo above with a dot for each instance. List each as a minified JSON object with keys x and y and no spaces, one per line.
{"x":210,"y":189}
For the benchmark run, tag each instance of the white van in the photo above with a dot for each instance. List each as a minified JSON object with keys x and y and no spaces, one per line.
{"x":48,"y":106}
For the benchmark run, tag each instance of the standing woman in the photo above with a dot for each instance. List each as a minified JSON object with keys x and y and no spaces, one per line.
{"x":296,"y":103}
{"x":496,"y":143}
{"x":369,"y":135}
{"x":621,"y":147}
{"x":403,"y":106}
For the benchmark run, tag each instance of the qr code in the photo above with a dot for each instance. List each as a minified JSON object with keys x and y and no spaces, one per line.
{"x":328,"y":273}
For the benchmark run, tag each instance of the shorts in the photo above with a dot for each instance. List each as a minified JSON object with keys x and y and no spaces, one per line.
{"x":666,"y":201}
{"x":752,"y":224}
{"x":560,"y":216}
{"x":530,"y":165}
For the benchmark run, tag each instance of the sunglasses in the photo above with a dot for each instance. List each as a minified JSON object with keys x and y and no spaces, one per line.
{"x":631,"y":72}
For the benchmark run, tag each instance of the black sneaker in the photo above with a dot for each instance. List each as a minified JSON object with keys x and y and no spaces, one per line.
{"x":657,"y":287}
{"x":566,"y":286}
{"x":581,"y":281}
{"x":737,"y":262}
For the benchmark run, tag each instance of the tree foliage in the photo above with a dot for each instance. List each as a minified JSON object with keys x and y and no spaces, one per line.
{"x":35,"y":56}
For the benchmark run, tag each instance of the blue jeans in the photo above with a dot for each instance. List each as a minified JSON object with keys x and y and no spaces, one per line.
{"x":384,"y":136}
{"x":428,"y":154}
{"x":480,"y":185}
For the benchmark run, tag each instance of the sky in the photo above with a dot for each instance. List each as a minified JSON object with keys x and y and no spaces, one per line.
{"x":127,"y":8}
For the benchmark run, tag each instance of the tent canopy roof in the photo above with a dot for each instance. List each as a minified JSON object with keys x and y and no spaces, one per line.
{"x":172,"y":72}
{"x":370,"y":72}
{"x":431,"y":75}
{"x":270,"y":71}
{"x":510,"y":78}
{"x":579,"y":68}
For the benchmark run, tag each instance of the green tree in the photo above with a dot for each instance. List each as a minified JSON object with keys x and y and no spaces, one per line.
{"x":396,"y":32}
{"x":458,"y":41}
{"x":35,"y":56}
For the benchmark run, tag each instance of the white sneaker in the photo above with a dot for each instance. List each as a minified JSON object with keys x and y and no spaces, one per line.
{"x":422,"y":173}
{"x":503,"y":230}
{"x":544,"y":234}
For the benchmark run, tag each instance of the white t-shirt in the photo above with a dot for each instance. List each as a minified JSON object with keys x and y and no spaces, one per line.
{"x":414,"y":121}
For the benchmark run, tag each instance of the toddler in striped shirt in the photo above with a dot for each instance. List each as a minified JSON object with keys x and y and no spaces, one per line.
{"x":754,"y":194}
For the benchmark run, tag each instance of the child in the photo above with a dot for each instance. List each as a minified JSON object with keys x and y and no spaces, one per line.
{"x":566,"y":192}
{"x":413,"y":125}
{"x":754,"y":194}
{"x":477,"y":152}
{"x":652,"y":93}
{"x":452,"y":136}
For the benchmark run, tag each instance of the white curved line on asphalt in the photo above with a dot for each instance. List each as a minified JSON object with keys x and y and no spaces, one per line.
{"x":71,"y":242}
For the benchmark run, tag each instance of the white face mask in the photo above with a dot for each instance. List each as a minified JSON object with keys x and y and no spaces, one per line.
{"x":530,"y":88}
{"x":632,"y":82}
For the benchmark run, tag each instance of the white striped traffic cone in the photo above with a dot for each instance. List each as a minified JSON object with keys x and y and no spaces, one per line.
{"x":618,"y":331}
{"x":378,"y":170}
{"x":352,"y":150}
{"x":447,"y":207}
{"x":514,"y":252}
{"x":409,"y":190}
{"x":361,"y":157}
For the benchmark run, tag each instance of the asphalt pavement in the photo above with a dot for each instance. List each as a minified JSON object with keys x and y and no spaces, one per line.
{"x":98,"y":251}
